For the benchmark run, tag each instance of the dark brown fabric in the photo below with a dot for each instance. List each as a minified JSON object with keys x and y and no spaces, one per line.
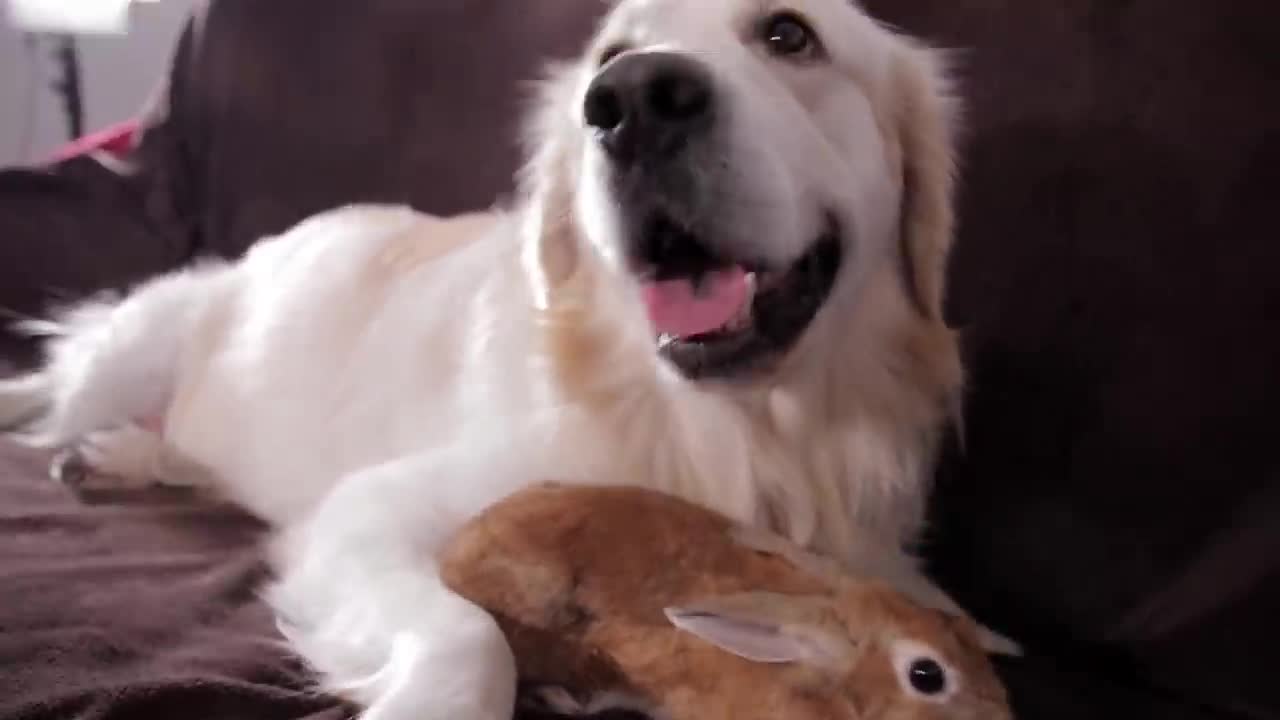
{"x":299,"y":106}
{"x":1117,"y":505}
{"x":122,"y":609}
{"x":1115,"y":274}
{"x":70,"y":230}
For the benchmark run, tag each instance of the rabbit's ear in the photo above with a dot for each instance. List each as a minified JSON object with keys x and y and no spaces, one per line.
{"x":767,"y":628}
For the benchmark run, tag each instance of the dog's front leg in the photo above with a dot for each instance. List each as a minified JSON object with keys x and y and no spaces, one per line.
{"x":361,"y":599}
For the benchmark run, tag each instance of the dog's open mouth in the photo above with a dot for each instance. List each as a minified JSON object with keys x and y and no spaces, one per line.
{"x":718,"y":318}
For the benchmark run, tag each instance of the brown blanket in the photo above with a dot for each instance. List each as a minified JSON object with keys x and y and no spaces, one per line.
{"x":128,"y":606}
{"x":144,"y":606}
{"x":135,"y":607}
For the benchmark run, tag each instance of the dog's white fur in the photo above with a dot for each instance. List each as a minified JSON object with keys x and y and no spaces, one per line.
{"x":372,"y":377}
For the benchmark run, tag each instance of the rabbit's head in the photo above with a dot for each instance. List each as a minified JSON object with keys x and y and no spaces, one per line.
{"x":884,"y":657}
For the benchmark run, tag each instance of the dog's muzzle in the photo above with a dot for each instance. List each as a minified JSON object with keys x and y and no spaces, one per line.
{"x":716,"y":311}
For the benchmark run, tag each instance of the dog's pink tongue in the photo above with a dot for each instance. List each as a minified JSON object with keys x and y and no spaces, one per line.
{"x":676,"y":309}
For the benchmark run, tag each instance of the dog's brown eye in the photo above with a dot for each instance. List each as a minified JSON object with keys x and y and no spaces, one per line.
{"x":788,"y":35}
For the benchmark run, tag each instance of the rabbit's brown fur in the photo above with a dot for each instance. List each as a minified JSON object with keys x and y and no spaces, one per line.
{"x":581,"y":578}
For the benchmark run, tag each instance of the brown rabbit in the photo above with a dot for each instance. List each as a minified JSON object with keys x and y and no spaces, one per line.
{"x":639,"y":597}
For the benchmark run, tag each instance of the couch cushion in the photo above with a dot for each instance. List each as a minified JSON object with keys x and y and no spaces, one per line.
{"x":1114,"y":279}
{"x":301,"y":105}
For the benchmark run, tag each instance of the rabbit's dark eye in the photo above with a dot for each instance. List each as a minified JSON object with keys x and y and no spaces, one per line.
{"x":927,"y":677}
{"x":923,"y":673}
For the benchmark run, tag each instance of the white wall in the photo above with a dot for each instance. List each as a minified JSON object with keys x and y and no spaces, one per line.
{"x":119,"y":75}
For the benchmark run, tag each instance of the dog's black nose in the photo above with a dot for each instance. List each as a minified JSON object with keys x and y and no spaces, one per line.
{"x":649,"y":103}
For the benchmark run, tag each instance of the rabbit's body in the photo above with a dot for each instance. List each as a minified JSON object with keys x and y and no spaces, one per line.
{"x":634,"y":592}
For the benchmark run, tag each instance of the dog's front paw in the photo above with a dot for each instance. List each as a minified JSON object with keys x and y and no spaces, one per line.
{"x":447,"y":659}
{"x":458,"y":691}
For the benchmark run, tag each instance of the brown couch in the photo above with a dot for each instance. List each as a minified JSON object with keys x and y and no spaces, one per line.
{"x":1118,"y":504}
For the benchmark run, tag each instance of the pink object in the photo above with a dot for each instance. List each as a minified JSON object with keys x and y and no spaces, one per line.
{"x":675,"y":308}
{"x":116,"y":140}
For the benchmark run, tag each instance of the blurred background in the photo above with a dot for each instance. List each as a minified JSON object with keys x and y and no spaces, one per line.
{"x":121,"y":68}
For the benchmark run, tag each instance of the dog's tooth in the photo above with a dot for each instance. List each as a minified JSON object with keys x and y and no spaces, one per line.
{"x":665,"y":339}
{"x":744,"y":313}
{"x":742,"y":318}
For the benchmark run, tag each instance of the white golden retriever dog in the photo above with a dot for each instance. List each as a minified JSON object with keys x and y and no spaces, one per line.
{"x":722,"y":278}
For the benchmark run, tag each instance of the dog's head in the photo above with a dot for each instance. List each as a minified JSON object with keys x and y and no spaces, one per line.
{"x":749,"y":166}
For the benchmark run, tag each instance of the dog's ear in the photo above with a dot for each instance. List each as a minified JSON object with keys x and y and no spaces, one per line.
{"x":925,"y":118}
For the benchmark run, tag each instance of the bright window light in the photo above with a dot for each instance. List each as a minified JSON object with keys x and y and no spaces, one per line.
{"x":70,"y":16}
